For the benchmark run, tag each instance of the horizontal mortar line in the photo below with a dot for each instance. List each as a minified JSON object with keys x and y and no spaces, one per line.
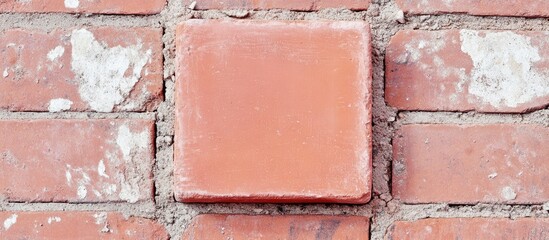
{"x":467,"y":118}
{"x":59,"y":20}
{"x":463,"y":17}
{"x":44,"y":207}
{"x":235,"y":208}
{"x":496,"y":213}
{"x":54,"y":21}
{"x":76,"y":15}
{"x":463,"y":205}
{"x":474,"y":26}
{"x":329,"y":12}
{"x":475,"y":22}
{"x":76,"y":115}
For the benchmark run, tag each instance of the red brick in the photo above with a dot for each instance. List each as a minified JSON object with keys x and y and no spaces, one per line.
{"x":76,"y":160}
{"x":470,"y":228}
{"x":303,"y":5}
{"x":84,"y":6}
{"x":214,"y":227}
{"x":96,"y":69}
{"x":463,"y":70}
{"x":273,"y":112}
{"x":78,"y":225}
{"x":469,"y":164}
{"x":528,"y":8}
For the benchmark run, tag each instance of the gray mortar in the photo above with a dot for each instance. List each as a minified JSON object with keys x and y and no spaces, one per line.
{"x":383,"y":210}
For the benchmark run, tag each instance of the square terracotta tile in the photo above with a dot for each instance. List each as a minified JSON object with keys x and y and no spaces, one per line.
{"x":273,"y":112}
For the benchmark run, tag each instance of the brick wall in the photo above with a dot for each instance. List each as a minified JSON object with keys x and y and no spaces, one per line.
{"x":271,"y":119}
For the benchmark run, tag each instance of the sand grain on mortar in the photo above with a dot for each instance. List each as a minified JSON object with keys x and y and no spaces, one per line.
{"x":382,"y":15}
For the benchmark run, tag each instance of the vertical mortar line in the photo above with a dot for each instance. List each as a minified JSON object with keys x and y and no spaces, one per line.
{"x":166,"y":211}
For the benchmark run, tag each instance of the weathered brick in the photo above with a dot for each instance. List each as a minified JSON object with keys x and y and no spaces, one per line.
{"x":220,"y":227}
{"x":463,"y":70}
{"x":499,"y":163}
{"x":86,"y":69}
{"x":76,"y":160}
{"x":84,"y":6}
{"x":78,"y":225}
{"x":470,"y":228}
{"x":528,"y":8}
{"x":303,"y":5}
{"x":273,"y":112}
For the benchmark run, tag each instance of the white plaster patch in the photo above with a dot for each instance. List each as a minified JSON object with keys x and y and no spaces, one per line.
{"x":10,"y":221}
{"x":54,"y":219}
{"x":101,"y":170}
{"x":55,"y":53}
{"x":504,"y":74}
{"x":508,"y":193}
{"x":72,"y":3}
{"x":59,"y":105}
{"x":104,"y":78}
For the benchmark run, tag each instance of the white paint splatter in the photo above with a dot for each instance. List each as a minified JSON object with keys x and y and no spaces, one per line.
{"x":448,"y":3}
{"x":129,"y":192}
{"x":10,"y":221}
{"x":56,"y":53}
{"x":100,"y":218}
{"x":504,"y":73}
{"x":109,"y":189}
{"x":415,"y":48}
{"x":68,"y":175}
{"x":101,"y":170}
{"x":82,"y":190}
{"x":54,"y":219}
{"x":59,"y":105}
{"x":128,"y":141}
{"x":97,"y":193}
{"x":104,"y":78}
{"x":72,"y":3}
{"x":508,"y":193}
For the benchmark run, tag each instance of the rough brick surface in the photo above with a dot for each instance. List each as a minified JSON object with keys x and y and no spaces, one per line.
{"x":77,"y":225}
{"x":463,"y":70}
{"x":529,"y":8}
{"x":304,"y":5}
{"x":470,"y":164}
{"x":220,"y":227}
{"x":85,"y":69}
{"x":84,"y":6}
{"x":76,"y":160}
{"x":470,"y":228}
{"x":273,"y":112}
